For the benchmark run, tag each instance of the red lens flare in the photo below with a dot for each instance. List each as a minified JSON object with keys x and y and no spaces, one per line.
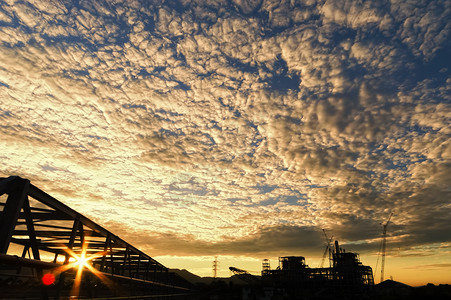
{"x":48,"y":279}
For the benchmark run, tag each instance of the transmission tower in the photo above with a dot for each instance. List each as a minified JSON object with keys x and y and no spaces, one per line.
{"x":384,"y":244}
{"x":215,"y":267}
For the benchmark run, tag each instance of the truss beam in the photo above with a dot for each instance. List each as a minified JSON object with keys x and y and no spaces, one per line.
{"x":34,"y":220}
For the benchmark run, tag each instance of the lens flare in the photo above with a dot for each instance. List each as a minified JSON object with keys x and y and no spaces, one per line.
{"x":82,"y":261}
{"x":48,"y":279}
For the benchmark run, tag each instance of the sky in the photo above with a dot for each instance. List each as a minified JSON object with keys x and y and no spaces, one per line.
{"x":238,"y":129}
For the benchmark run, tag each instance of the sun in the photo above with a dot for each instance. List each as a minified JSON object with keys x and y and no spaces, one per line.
{"x":82,"y":262}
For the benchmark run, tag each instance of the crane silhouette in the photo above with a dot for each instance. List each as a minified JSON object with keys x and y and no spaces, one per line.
{"x":327,"y":250}
{"x":383,"y":247}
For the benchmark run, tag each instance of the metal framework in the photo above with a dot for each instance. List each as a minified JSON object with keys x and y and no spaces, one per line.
{"x":47,"y":235}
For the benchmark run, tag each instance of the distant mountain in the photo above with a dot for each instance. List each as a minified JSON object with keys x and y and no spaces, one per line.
{"x":188,"y":276}
{"x":195,"y":279}
{"x":390,"y":289}
{"x":392,"y":284}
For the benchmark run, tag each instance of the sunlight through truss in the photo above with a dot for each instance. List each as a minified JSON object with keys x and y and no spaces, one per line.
{"x":41,"y":233}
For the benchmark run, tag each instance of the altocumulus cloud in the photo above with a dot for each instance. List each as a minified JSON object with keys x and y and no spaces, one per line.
{"x":234,"y":127}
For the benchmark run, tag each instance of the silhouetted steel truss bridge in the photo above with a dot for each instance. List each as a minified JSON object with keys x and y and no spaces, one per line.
{"x":50,"y":251}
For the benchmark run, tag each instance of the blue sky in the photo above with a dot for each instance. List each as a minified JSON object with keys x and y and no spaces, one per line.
{"x":236,"y":128}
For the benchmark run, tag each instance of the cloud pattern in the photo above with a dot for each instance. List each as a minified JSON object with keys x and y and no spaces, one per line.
{"x":234,"y":127}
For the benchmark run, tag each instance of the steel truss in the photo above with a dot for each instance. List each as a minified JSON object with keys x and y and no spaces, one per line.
{"x":50,"y":234}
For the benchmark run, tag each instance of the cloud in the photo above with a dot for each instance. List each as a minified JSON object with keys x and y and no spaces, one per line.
{"x":233,"y":129}
{"x":265,"y":242}
{"x":353,"y":14}
{"x":430,"y":266}
{"x":420,"y":29}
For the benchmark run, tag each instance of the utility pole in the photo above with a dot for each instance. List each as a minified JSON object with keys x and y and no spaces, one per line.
{"x":384,"y":243}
